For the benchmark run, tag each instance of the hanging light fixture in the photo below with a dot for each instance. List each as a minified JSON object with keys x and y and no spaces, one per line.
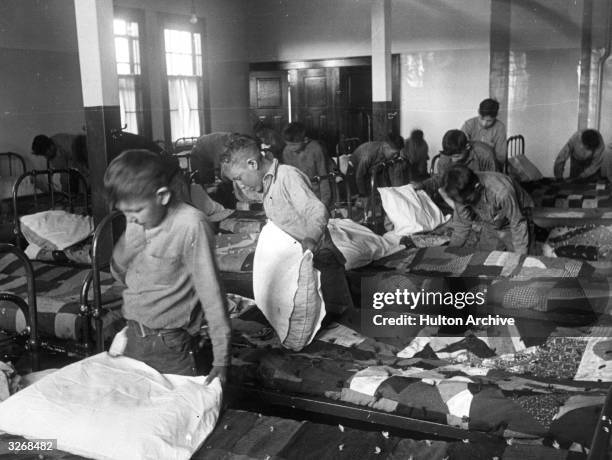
{"x":193,"y":18}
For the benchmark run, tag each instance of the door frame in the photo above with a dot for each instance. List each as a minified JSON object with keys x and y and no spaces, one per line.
{"x":339,"y":62}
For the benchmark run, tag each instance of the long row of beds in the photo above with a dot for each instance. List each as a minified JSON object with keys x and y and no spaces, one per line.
{"x":499,"y":391}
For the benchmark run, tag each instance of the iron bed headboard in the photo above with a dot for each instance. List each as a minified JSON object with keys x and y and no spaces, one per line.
{"x":11,"y":159}
{"x":28,"y":308}
{"x":55,"y":197}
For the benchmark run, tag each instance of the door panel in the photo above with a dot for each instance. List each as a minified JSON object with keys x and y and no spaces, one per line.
{"x":355,"y":105}
{"x":268,"y":98}
{"x":315,"y":97}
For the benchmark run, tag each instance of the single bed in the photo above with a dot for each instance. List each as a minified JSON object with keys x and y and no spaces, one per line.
{"x":73,"y":200}
{"x":251,"y":434}
{"x":459,"y":386}
{"x":77,"y":305}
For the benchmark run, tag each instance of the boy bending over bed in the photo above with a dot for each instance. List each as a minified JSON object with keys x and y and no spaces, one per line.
{"x":166,"y":260}
{"x":290,"y":203}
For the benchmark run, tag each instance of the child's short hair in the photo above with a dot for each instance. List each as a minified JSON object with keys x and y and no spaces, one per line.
{"x":590,"y":139}
{"x":40,"y":144}
{"x":416,"y":136}
{"x":488,"y":108}
{"x":454,"y":142}
{"x":137,"y":174}
{"x":295,"y":132}
{"x":459,"y":180}
{"x":240,"y":147}
{"x":395,"y":140}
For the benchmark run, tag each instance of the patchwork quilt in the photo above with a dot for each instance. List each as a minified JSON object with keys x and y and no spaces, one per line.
{"x":586,"y":242}
{"x":560,"y":194}
{"x":465,"y":262}
{"x":484,"y":383}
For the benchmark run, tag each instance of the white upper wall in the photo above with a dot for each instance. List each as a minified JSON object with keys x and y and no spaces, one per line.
{"x":546,"y":24}
{"x":317,"y":29}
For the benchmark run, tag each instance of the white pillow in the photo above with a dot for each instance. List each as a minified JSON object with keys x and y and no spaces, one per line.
{"x":287,"y":287}
{"x":358,"y":244}
{"x":56,"y":230}
{"x":410,"y":211}
{"x":115,"y":408}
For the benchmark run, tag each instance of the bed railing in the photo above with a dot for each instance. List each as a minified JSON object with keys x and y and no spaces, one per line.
{"x":29,"y":309}
{"x":515,"y":146}
{"x":107,"y":228}
{"x":76,"y":195}
{"x":376,"y":213}
{"x":184,"y":143}
{"x":335,"y":188}
{"x":12,"y":159}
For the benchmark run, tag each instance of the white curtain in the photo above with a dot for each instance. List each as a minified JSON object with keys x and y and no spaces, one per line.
{"x":127,"y":103}
{"x":183,"y":101}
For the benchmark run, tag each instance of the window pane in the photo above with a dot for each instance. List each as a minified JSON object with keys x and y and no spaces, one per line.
{"x":128,"y":103}
{"x":198,"y":65}
{"x":132,"y":29}
{"x":184,"y":107}
{"x":123,"y":68}
{"x":136,"y":56}
{"x":119,"y":26}
{"x":197,"y":40}
{"x":122,"y":49}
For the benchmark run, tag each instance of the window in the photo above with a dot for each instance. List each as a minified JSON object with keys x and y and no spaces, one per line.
{"x":127,"y":50}
{"x":184,"y":72}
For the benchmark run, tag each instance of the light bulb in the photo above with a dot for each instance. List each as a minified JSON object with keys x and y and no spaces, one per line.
{"x":193,"y":18}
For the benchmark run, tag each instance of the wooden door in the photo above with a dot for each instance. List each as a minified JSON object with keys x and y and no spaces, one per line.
{"x":268,"y":98}
{"x":314,"y":92}
{"x":355,"y":103}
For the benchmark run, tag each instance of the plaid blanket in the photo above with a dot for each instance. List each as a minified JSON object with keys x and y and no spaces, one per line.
{"x":57,"y":297}
{"x":516,"y":382}
{"x":560,"y":194}
{"x":464,"y":262}
{"x":461,"y":381}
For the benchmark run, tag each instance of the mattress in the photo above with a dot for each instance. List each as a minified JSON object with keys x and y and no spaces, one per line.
{"x":57,"y":296}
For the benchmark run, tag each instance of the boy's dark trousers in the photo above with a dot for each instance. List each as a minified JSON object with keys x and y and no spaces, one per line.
{"x":168,"y":351}
{"x":330,"y":262}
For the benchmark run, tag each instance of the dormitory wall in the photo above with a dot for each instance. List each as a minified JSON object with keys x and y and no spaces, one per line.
{"x":445,"y":53}
{"x":543,"y":94}
{"x":444,"y":46}
{"x":39,"y":72}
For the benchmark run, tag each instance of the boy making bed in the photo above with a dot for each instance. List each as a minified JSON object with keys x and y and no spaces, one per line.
{"x":166,"y":260}
{"x":290,"y":203}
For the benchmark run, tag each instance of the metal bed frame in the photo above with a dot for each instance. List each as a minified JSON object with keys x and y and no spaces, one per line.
{"x":88,"y":309}
{"x":333,"y":183}
{"x":381,"y":169}
{"x":339,"y":411}
{"x":53,"y":197}
{"x":184,"y":143}
{"x":28,"y":308}
{"x":515,"y":146}
{"x":13,"y":157}
{"x":109,"y":226}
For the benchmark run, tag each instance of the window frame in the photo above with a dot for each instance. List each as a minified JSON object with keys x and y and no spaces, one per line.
{"x":182,"y":23}
{"x":142,"y":82}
